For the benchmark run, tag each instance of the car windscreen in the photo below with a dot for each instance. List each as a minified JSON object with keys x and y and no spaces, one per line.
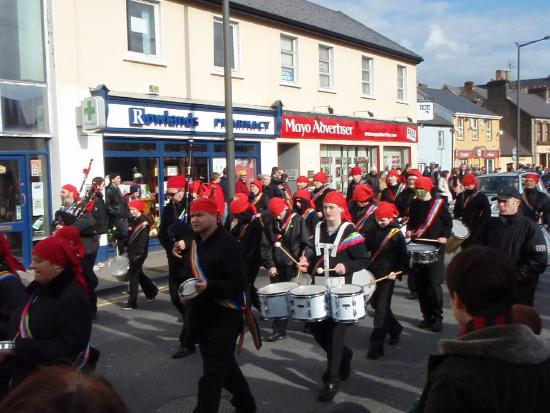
{"x":497,"y":184}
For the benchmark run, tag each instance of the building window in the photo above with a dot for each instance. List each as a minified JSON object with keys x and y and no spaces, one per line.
{"x":23,"y":108}
{"x":473,"y":128}
{"x":488,"y":129}
{"x":289,"y":62}
{"x":538,"y":131}
{"x":440,"y":139}
{"x":401,"y":83}
{"x":218,"y":45}
{"x":367,"y":75}
{"x":460,"y":129}
{"x":143,"y":27}
{"x":546,"y":133}
{"x":326,"y":69}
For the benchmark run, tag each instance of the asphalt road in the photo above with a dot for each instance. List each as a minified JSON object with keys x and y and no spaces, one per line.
{"x":284,"y":376}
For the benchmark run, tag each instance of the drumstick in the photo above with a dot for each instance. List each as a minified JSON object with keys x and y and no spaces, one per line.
{"x":385,"y":277}
{"x":300,"y":272}
{"x":320,"y":270}
{"x":425,"y":239}
{"x":278,"y":245}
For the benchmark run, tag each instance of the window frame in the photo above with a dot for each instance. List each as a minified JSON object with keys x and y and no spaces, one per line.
{"x":474,"y":130}
{"x":140,"y":57}
{"x":371,"y":76}
{"x":330,"y":73}
{"x":440,"y":139}
{"x":295,"y":58}
{"x":459,"y":128}
{"x":488,"y":130}
{"x":404,"y":78}
{"x":234,"y":25}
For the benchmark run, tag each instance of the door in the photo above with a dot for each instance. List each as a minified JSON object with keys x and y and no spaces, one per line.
{"x":14,"y":211}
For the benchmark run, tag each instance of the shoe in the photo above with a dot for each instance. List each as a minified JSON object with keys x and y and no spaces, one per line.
{"x":129,"y":307}
{"x":437,"y":325}
{"x":411,"y":296}
{"x":426,"y":323}
{"x":345,"y":366}
{"x":275,"y":337}
{"x":394,"y":338}
{"x":183,"y":352}
{"x":375,"y":352}
{"x":153,"y":298}
{"x":328,"y":392}
{"x":307,"y":328}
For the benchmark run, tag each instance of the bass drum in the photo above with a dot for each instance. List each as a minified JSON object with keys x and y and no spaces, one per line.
{"x":460,"y":233}
{"x":118,"y":268}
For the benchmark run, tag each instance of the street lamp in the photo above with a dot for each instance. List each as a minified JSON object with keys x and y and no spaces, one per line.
{"x":519,"y":45}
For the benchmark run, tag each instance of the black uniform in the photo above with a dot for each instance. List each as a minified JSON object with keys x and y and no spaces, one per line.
{"x":372,"y":181}
{"x":117,"y":210}
{"x":259,"y":201}
{"x":429,"y":277}
{"x":361,"y":215}
{"x":403,"y":201}
{"x":329,"y":334}
{"x":521,"y":240}
{"x":216,"y":327}
{"x":138,"y":247}
{"x":351,"y":187}
{"x":309,"y":215}
{"x":535,"y":205}
{"x":473,"y":208}
{"x":318,"y":196}
{"x":390,"y":193}
{"x":293,"y":238}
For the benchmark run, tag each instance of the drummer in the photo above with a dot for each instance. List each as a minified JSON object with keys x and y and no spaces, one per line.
{"x":304,"y":206}
{"x":362,"y":206}
{"x":287,"y":229}
{"x":351,"y":256}
{"x":388,"y":249}
{"x":403,"y":200}
{"x":394,"y":188}
{"x":429,"y":219}
{"x":471,"y":207}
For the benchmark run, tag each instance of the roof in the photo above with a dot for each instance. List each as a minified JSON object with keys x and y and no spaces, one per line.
{"x":533,"y":83}
{"x":533,"y":105}
{"x":455,"y":103}
{"x":322,"y":20}
{"x":436,"y":121}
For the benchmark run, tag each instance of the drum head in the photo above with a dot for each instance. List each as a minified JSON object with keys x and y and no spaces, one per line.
{"x":305,"y":290}
{"x":188,"y":287}
{"x":277,"y":288}
{"x":6,"y":346}
{"x":417,"y":247}
{"x":346,"y":289}
{"x":362,"y":277}
{"x":460,"y":230}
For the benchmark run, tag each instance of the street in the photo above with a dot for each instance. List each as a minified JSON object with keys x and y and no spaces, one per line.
{"x":284,"y":376}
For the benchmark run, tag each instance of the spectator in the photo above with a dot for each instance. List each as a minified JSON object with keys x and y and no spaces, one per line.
{"x":356,"y":179}
{"x":372,"y":180}
{"x":454,"y":183}
{"x":241,"y":186}
{"x":443,"y":187}
{"x":270,"y":188}
{"x":117,"y":210}
{"x":214,"y":191}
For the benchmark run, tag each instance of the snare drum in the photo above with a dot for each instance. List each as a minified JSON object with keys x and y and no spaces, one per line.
{"x":275,"y":300}
{"x":365,"y":279}
{"x":310,"y":303}
{"x":422,"y":253}
{"x":460,"y":233}
{"x":347,"y":303}
{"x":188,"y":289}
{"x":6,"y":346}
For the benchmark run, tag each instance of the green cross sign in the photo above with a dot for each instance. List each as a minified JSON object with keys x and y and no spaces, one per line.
{"x":89,"y":110}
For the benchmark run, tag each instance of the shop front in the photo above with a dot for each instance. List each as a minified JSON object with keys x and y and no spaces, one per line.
{"x":335,"y":144}
{"x":479,"y":157}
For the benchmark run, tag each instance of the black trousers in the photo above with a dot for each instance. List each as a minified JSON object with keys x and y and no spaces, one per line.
{"x":175,"y":278}
{"x":284,"y":274}
{"x":428,"y":279}
{"x":121,"y":232}
{"x":331,"y":336}
{"x":525,"y":291}
{"x":88,"y":263}
{"x":137,"y":277}
{"x":384,"y":321}
{"x":251,"y":290}
{"x":220,"y":369}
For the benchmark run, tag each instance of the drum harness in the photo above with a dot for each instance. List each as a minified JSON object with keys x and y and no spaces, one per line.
{"x":329,"y":250}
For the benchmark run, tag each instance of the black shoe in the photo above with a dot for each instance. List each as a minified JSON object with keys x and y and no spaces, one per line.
{"x":129,"y":307}
{"x":152,"y":298}
{"x":411,"y":296}
{"x":183,"y":352}
{"x":345,"y":366}
{"x":426,"y":323}
{"x":375,"y":352}
{"x":328,"y":392}
{"x":394,"y":338}
{"x":275,"y":337}
{"x":437,"y":325}
{"x":307,"y":328}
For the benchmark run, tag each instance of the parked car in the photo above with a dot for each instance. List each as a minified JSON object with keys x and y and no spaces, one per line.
{"x":493,"y":184}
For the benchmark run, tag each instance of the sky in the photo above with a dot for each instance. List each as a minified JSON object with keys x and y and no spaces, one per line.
{"x":460,"y":40}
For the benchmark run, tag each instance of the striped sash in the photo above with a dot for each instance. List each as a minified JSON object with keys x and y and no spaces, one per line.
{"x":137,"y":230}
{"x":436,"y":207}
{"x":384,"y":242}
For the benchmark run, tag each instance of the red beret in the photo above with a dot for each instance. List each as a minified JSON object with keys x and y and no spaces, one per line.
{"x":302,"y":179}
{"x":72,"y":188}
{"x":206,"y":205}
{"x":469,"y":179}
{"x":356,"y":171}
{"x":532,"y":176}
{"x":415,"y":172}
{"x":72,"y":234}
{"x":276,"y":206}
{"x":362,"y":193}
{"x":321,"y":177}
{"x":424,"y":182}
{"x":241,"y":195}
{"x":258,"y":184}
{"x":386,"y":210}
{"x":238,"y":206}
{"x":176,"y":182}
{"x":393,"y":172}
{"x":137,"y":204}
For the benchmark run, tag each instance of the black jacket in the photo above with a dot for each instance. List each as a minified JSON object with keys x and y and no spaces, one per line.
{"x":535,"y":205}
{"x":318,"y":195}
{"x":12,"y":296}
{"x":403,"y":201}
{"x":259,"y":201}
{"x":60,"y":321}
{"x":248,"y":232}
{"x":472,"y":208}
{"x":499,"y":369}
{"x":518,"y":238}
{"x":389,"y":194}
{"x":115,"y":202}
{"x":138,"y":237}
{"x":359,"y":214}
{"x":294,"y":240}
{"x":86,"y":226}
{"x":442,"y":224}
{"x":170,"y":216}
{"x":99,"y":213}
{"x":351,"y":187}
{"x":272,"y":191}
{"x":393,"y":257}
{"x":373,"y":182}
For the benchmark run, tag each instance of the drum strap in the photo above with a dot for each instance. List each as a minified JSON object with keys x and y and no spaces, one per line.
{"x":4,"y":275}
{"x":257,"y":198}
{"x":321,"y":192}
{"x":434,"y":211}
{"x":467,"y":200}
{"x":285,"y":227}
{"x":400,"y":188}
{"x":361,"y":223}
{"x":249,"y":318}
{"x":137,"y":230}
{"x":384,"y":242}
{"x":336,"y":243}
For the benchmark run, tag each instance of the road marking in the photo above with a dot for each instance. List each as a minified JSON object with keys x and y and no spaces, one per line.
{"x":123,"y":297}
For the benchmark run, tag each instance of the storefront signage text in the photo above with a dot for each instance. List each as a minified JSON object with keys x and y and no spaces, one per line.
{"x":295,"y":126}
{"x":242,"y":124}
{"x":138,"y":117}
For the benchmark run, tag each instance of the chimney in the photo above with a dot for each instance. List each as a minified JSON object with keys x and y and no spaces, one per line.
{"x":496,"y":91}
{"x":469,"y":86}
{"x":502,"y":75}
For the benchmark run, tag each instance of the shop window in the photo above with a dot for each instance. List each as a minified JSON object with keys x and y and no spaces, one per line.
{"x":326,"y":67}
{"x":143,"y":27}
{"x":401,"y":83}
{"x":24,"y":108}
{"x":367,"y":75}
{"x":129,"y":147}
{"x":40,"y":213}
{"x":11,"y":199}
{"x":178,"y":166}
{"x":238,"y":148}
{"x":23,"y":144}
{"x":22,"y":41}
{"x":289,"y":64}
{"x":396,"y":157}
{"x":218,"y":45}
{"x":184,"y":147}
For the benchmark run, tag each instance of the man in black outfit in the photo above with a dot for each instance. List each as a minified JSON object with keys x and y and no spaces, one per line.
{"x":429,"y":218}
{"x":221,"y":276}
{"x":117,"y":210}
{"x":535,"y":205}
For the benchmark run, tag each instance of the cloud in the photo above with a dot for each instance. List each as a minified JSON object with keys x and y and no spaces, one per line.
{"x":437,"y":43}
